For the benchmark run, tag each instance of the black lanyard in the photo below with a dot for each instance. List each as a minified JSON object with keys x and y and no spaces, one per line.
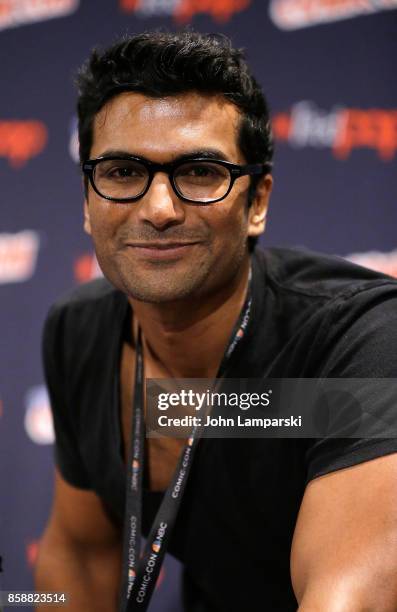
{"x":140,"y":572}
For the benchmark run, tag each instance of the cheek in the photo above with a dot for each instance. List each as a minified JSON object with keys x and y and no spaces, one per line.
{"x":106,"y":219}
{"x":230,"y":222}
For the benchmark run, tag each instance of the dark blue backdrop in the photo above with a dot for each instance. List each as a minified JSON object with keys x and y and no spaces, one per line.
{"x":328,"y":69}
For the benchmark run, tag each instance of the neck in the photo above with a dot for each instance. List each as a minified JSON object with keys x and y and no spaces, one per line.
{"x":188,"y":339}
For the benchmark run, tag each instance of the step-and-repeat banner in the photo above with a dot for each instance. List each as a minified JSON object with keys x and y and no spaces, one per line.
{"x":328,"y":68}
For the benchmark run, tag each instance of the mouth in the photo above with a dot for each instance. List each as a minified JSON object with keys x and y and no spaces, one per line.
{"x":161,"y":250}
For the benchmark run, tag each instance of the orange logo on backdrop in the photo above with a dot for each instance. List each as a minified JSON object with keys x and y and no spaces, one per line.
{"x":22,"y":140}
{"x":32,"y":551}
{"x":220,"y":10}
{"x":341,"y":129}
{"x":86,"y":268}
{"x":375,"y":129}
{"x":184,"y":10}
{"x":293,"y":14}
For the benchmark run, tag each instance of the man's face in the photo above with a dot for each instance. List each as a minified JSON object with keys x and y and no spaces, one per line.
{"x":128,"y":237}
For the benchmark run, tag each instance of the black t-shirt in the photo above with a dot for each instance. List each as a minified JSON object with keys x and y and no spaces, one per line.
{"x":312,"y":316}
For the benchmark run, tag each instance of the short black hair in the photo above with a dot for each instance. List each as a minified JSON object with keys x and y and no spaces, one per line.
{"x":160,"y":64}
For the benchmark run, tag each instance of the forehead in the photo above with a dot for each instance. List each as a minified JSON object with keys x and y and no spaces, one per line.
{"x":164,"y":128}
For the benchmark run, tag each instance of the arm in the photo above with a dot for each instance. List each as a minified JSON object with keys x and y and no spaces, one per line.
{"x":80,"y":552}
{"x":344,"y":550}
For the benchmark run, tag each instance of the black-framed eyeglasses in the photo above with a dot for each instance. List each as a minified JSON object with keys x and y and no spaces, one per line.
{"x":197,"y":180}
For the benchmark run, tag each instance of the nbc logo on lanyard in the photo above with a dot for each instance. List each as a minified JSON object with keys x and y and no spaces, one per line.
{"x":156,"y":546}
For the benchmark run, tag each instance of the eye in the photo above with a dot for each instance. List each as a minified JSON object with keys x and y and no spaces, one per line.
{"x":120,"y":170}
{"x":200,"y":170}
{"x":201,"y":174}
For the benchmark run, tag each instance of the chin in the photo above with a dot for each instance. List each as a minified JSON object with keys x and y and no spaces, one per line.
{"x":159,"y":295}
{"x":156,"y":298}
{"x":162,"y":286}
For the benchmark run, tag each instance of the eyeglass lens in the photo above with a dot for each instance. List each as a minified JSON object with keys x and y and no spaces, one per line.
{"x":195,"y":180}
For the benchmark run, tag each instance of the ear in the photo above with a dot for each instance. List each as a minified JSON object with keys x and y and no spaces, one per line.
{"x":258,"y":210}
{"x":87,"y":220}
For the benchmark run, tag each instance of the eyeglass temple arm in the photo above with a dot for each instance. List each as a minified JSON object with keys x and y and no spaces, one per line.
{"x":255,"y":168}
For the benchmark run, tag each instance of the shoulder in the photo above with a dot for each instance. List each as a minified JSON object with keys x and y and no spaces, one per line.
{"x":86,"y":295}
{"x":341,"y":316}
{"x":88,"y":300}
{"x":316,"y":274}
{"x":85,"y":314}
{"x":324,"y":285}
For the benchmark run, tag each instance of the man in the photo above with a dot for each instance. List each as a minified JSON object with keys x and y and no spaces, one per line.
{"x":176,"y":151}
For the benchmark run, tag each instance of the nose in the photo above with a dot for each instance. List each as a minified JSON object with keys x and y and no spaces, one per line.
{"x":160,"y":206}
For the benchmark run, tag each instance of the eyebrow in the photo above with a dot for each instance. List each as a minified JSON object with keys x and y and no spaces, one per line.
{"x":209,"y":153}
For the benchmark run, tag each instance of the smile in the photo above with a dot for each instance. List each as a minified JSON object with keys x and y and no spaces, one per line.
{"x":161,"y":250}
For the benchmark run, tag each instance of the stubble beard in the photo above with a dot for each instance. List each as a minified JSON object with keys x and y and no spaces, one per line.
{"x":161,"y":283}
